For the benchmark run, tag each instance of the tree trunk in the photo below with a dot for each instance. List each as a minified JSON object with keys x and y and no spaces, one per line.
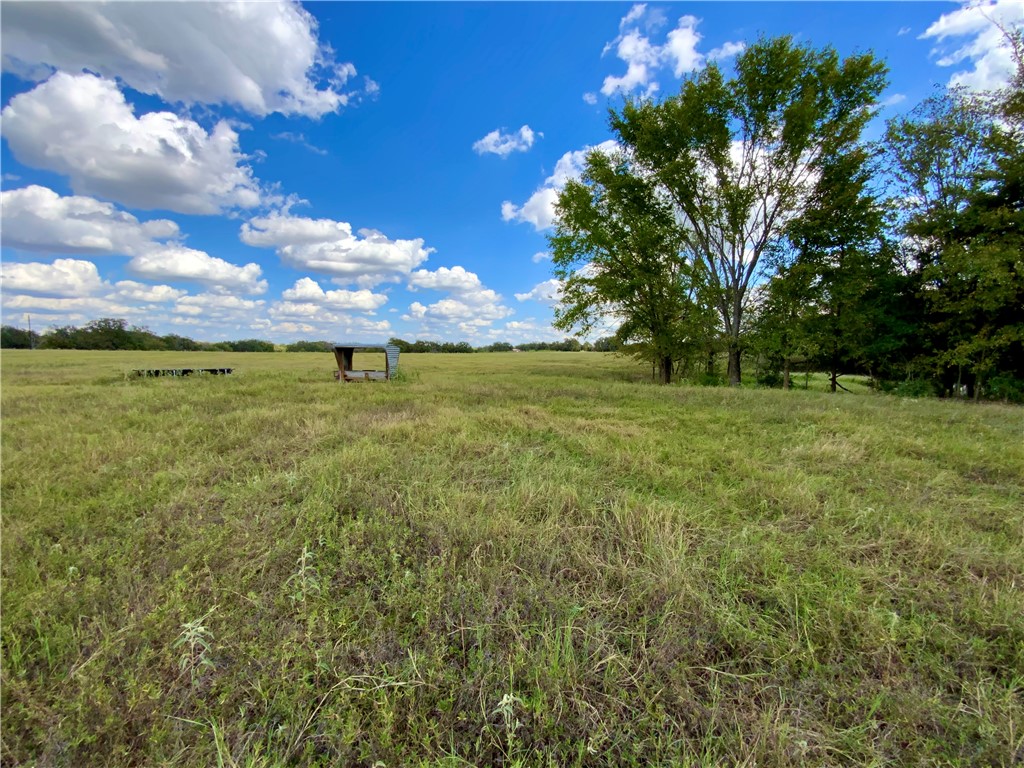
{"x":734,"y":366}
{"x":710,"y":368}
{"x":665,"y":369}
{"x":785,"y":373}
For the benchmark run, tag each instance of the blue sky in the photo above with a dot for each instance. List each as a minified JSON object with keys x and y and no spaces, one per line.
{"x":342,"y":171}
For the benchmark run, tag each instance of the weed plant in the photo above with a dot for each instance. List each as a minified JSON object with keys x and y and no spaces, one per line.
{"x":536,"y":559}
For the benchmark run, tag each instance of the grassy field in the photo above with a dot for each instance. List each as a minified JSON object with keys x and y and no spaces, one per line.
{"x":536,"y":559}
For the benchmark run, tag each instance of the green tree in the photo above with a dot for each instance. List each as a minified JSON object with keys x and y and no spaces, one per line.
{"x":310,"y":346}
{"x":252,"y":345}
{"x":958,"y":163}
{"x":840,"y":253}
{"x":61,"y":337}
{"x":740,"y":157}
{"x":779,"y":335}
{"x":177,"y":343}
{"x":618,"y":251}
{"x":12,"y":337}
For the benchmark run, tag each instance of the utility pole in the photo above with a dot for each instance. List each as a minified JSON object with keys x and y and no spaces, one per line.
{"x":31,"y":341}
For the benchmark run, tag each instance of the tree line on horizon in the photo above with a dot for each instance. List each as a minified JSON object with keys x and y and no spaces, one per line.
{"x":747,"y":218}
{"x":113,"y":334}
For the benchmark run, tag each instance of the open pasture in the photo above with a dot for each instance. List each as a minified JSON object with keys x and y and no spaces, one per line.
{"x":501,"y":559}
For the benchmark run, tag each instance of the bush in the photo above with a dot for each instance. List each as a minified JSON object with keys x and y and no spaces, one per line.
{"x":770,"y":379}
{"x":1005,"y":388}
{"x":913,"y":388}
{"x":710,"y":380}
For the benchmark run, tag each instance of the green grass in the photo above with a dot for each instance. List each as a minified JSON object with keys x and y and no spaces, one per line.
{"x":507,"y":559}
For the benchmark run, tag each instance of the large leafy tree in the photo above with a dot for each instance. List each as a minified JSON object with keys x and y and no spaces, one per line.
{"x":741,"y":157}
{"x":618,"y":251}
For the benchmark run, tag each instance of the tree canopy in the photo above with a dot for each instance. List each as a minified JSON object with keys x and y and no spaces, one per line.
{"x":619,"y":252}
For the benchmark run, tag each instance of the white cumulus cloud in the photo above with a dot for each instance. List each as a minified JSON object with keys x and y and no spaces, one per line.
{"x":262,"y":57}
{"x":502,"y":144}
{"x":82,"y":127}
{"x":147,"y":293}
{"x":726,"y":51}
{"x":308,"y":290}
{"x":469,"y":306}
{"x":330,"y":247}
{"x":176,"y":262}
{"x":548,"y":292}
{"x":451,"y":310}
{"x":64,"y":277}
{"x":38,"y":219}
{"x":892,"y":101}
{"x":645,"y":58}
{"x":72,"y":290}
{"x":313,"y":318}
{"x":979,"y":42}
{"x":681,"y":47}
{"x":444,"y":279}
{"x":539,"y":209}
{"x":216,"y":306}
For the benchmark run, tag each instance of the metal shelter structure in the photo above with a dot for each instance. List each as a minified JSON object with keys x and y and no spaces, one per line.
{"x":344,"y":354}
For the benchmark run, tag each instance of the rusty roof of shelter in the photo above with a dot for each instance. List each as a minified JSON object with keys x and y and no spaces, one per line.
{"x":358,"y":345}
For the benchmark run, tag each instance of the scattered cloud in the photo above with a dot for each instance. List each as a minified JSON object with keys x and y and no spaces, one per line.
{"x":681,"y":48}
{"x":261,"y":57}
{"x":64,"y":277}
{"x":904,"y":31}
{"x":590,"y":98}
{"x":216,"y":307}
{"x":38,"y":219}
{"x":502,"y":144}
{"x":329,"y":247}
{"x":726,"y":51}
{"x":308,"y":290}
{"x":644,"y":58}
{"x":892,"y":101}
{"x":548,"y":292}
{"x":448,"y":310}
{"x":318,"y":321}
{"x":145,"y":292}
{"x":455,"y":279}
{"x":71,"y":309}
{"x":468,"y":308}
{"x":539,"y":209}
{"x":982,"y":44}
{"x":540,"y":256}
{"x":176,"y":262}
{"x":520,"y":331}
{"x":299,"y":138}
{"x":69,"y":290}
{"x":82,"y":127}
